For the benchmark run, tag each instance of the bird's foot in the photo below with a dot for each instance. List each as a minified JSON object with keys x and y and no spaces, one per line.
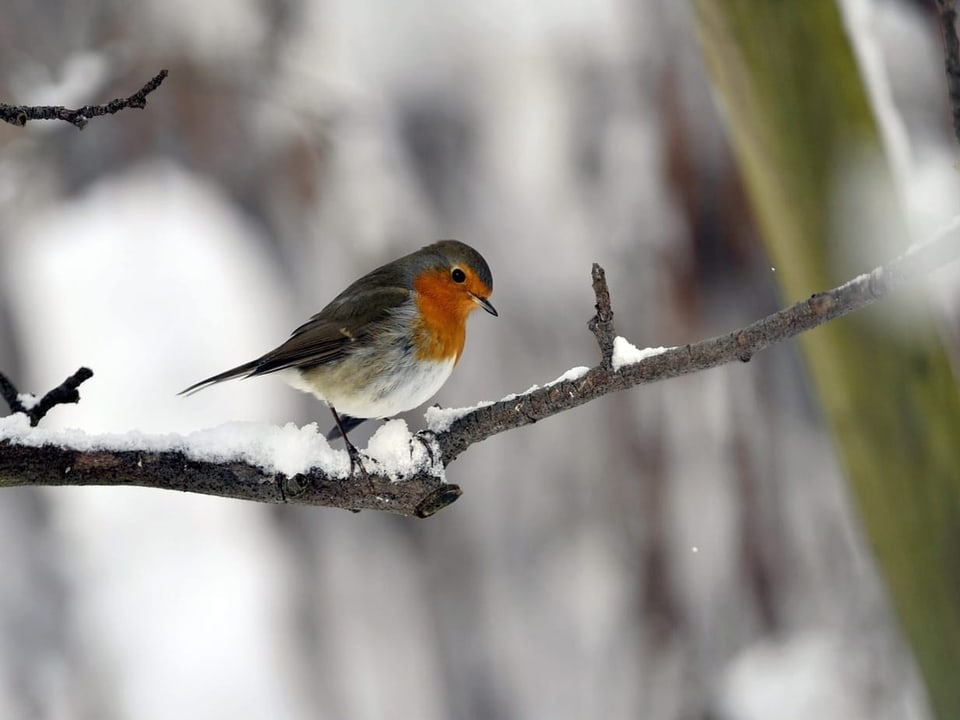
{"x":356,"y":462}
{"x":355,"y":459}
{"x":426,"y":439}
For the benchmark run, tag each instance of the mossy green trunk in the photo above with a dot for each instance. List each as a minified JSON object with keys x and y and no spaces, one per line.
{"x":801,"y":125}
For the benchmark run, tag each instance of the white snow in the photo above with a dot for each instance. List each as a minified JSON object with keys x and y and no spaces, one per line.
{"x":288,"y":449}
{"x":626,"y":354}
{"x":574,"y":373}
{"x":400,"y":455}
{"x":440,"y":419}
{"x":28,"y":401}
{"x":862,"y":278}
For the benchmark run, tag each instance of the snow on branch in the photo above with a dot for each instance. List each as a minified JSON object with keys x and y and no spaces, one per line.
{"x":21,"y":114}
{"x":406,"y":472}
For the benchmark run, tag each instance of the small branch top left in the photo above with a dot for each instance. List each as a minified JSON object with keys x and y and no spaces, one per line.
{"x":65,"y":392}
{"x":20,"y":115}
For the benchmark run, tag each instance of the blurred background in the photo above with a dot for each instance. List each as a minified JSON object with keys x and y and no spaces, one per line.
{"x":687,"y":550}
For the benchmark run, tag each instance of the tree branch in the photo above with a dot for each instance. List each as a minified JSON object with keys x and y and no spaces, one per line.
{"x":424,"y":492}
{"x":21,"y":114}
{"x":66,"y":392}
{"x":859,"y":293}
{"x":49,"y":465}
{"x":601,"y":324}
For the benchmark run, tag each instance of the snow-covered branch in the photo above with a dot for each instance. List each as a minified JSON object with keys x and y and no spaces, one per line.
{"x":22,"y":114}
{"x":171,"y":463}
{"x":406,"y":472}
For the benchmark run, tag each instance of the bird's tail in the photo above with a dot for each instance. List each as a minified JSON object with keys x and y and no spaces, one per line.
{"x":240,"y":371}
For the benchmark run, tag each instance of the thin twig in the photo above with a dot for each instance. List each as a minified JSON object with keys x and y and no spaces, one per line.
{"x":21,"y":114}
{"x":601,"y":324}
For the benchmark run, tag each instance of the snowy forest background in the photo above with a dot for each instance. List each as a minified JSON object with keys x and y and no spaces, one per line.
{"x":687,"y":550}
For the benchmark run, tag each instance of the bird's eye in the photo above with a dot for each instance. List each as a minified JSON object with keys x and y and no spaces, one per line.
{"x":458,"y":275}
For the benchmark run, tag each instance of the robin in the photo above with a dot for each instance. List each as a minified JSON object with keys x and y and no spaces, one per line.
{"x":387,"y":343}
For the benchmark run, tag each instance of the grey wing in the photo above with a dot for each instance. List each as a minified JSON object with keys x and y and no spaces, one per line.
{"x":329,"y":335}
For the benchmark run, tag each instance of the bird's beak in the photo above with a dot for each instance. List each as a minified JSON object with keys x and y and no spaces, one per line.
{"x":486,"y":305}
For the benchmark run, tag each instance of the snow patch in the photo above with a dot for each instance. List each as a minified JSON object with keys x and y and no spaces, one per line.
{"x":626,"y":354}
{"x":574,"y":373}
{"x":27,"y":400}
{"x":288,"y":450}
{"x":399,"y":454}
{"x":440,"y":419}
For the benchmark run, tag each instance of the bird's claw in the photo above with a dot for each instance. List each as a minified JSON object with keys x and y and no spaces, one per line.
{"x":356,"y":461}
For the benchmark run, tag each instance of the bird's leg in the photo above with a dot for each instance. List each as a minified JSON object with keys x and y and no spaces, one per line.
{"x":425,"y":439}
{"x":347,"y":423}
{"x":351,"y":448}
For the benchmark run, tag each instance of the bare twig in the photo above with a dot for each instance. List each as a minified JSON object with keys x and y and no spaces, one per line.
{"x":426,"y":492}
{"x":601,"y":324}
{"x":21,"y":114}
{"x":66,"y":392}
{"x":951,"y":57}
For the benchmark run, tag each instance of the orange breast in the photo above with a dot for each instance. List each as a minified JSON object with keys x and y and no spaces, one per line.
{"x":441,"y":330}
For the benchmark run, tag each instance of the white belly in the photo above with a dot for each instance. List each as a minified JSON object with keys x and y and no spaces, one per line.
{"x":409,"y":386}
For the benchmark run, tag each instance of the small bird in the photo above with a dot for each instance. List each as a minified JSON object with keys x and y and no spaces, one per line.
{"x":387,"y":343}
